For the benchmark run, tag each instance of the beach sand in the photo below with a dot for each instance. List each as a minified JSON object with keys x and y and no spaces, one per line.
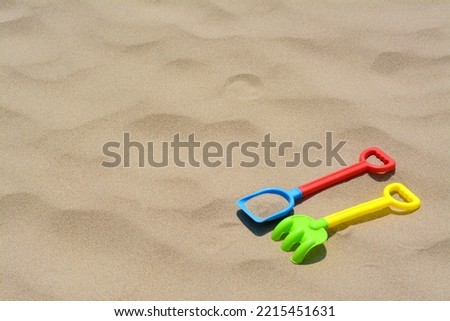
{"x":77,"y":74}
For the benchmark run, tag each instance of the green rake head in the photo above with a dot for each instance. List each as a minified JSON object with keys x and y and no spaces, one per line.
{"x":303,"y":230}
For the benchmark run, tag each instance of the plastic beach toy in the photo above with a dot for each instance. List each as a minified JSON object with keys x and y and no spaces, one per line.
{"x":362,"y":167}
{"x":309,"y":232}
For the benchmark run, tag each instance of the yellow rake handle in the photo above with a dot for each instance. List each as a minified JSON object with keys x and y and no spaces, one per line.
{"x":411,"y":202}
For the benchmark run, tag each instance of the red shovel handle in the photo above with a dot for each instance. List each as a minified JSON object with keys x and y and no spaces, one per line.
{"x":388,"y":162}
{"x":362,"y":167}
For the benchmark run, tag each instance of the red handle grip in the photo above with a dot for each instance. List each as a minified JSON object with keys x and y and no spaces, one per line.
{"x":363,"y":166}
{"x":388,"y":162}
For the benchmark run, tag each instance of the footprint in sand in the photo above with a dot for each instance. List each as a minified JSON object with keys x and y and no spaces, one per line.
{"x":244,"y":86}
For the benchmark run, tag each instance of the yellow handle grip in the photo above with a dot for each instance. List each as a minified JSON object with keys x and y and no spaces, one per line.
{"x":412,"y":202}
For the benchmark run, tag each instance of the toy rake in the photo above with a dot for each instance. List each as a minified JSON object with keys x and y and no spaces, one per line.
{"x":310,"y":232}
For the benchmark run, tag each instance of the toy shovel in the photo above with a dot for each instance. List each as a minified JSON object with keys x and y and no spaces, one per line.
{"x":310,"y":232}
{"x":363,"y":166}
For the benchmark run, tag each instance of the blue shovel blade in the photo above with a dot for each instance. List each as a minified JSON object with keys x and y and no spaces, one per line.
{"x":290,"y":196}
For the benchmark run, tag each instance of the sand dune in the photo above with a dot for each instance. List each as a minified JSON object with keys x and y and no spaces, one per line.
{"x":77,"y":74}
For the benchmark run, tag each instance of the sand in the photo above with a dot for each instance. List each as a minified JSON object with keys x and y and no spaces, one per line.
{"x":77,"y":74}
